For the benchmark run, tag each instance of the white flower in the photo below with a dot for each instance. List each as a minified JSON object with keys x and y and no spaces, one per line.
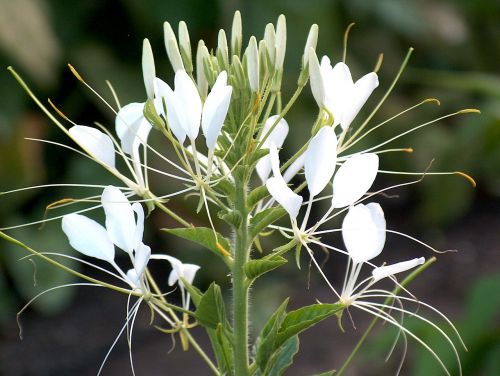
{"x":185,"y":109}
{"x":179,"y":269}
{"x":124,"y":229}
{"x":335,"y":90}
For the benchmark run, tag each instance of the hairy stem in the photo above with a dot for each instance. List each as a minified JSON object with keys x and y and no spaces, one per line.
{"x":240,"y":286}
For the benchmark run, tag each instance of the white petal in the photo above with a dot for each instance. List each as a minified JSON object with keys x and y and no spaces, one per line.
{"x":316,"y":79}
{"x":354,"y":178}
{"x":287,"y":198}
{"x":133,"y":278}
{"x":389,"y":270}
{"x":139,"y":223}
{"x":294,"y":168}
{"x":338,"y":86}
{"x":186,"y":271}
{"x":320,"y":159}
{"x":88,"y":237}
{"x":131,"y":126}
{"x":141,"y":258}
{"x":363,"y":231}
{"x":189,"y":103}
{"x":189,"y":272}
{"x":358,"y":96}
{"x":215,"y":110}
{"x":277,"y":136}
{"x":98,"y":144}
{"x":175,"y":110}
{"x":120,"y":220}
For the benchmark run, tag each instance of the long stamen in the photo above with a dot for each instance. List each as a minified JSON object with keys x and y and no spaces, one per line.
{"x":353,"y":141}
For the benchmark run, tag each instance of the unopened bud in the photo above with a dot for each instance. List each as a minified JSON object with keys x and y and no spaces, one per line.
{"x":263,"y":59}
{"x":280,"y":42}
{"x":236,"y":34}
{"x":148,"y":68}
{"x":312,"y":41}
{"x":172,"y":47}
{"x":222,"y":50}
{"x":270,"y":39}
{"x":252,"y":56}
{"x":201,"y":78}
{"x":238,"y":74}
{"x":185,"y":47}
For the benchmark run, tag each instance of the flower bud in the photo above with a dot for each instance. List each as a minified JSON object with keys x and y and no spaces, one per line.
{"x":312,"y":40}
{"x":148,"y":68}
{"x":185,"y":47}
{"x":280,"y":42}
{"x":238,"y":78}
{"x":236,"y":34}
{"x":222,"y":50}
{"x":270,"y":39}
{"x":172,"y":48}
{"x":263,"y":59}
{"x":252,"y":56}
{"x":202,"y":54}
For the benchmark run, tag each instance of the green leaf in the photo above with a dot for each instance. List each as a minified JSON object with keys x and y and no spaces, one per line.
{"x":263,"y":219}
{"x":222,"y":348}
{"x":283,"y":357}
{"x":256,"y":196}
{"x":256,"y":268}
{"x":267,"y":337}
{"x":256,"y":155}
{"x":203,"y":236}
{"x":210,"y":311}
{"x":303,"y":318}
{"x":232,"y":218}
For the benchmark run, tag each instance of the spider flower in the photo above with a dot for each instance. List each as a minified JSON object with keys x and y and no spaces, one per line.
{"x":124,"y":229}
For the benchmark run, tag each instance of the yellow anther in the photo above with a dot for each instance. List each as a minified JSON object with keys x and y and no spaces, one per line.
{"x":468,"y":177}
{"x":60,"y":202}
{"x":59,"y":112}
{"x":469,"y":111}
{"x":75,"y":73}
{"x":435,"y":100}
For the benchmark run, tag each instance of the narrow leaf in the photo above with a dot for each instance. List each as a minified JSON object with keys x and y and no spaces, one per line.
{"x":263,"y":219}
{"x":205,"y":237}
{"x":267,"y":337}
{"x":256,"y":268}
{"x":283,"y":357}
{"x":303,"y":318}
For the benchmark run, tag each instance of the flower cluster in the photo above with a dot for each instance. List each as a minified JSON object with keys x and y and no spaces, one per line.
{"x":234,"y":96}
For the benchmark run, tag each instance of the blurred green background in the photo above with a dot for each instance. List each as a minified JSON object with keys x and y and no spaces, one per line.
{"x":456,"y":59}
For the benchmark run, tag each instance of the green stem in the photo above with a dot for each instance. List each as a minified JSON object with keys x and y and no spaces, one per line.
{"x":200,"y":351}
{"x":240,"y":285}
{"x":388,"y":300}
